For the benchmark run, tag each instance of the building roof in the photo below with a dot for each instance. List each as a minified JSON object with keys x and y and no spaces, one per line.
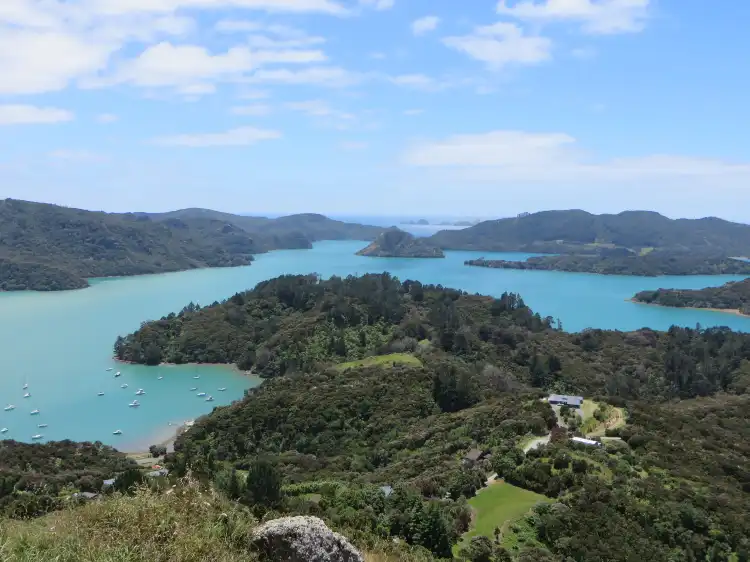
{"x":155,"y":473}
{"x":474,"y":455}
{"x":585,"y":441}
{"x":570,"y":400}
{"x":110,"y":482}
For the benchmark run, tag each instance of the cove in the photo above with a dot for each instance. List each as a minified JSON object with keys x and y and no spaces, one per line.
{"x":61,"y":343}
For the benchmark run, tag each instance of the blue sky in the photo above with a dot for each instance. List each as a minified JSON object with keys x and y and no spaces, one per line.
{"x":414,"y":107}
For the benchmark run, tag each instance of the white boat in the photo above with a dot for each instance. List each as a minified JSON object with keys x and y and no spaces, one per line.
{"x":123,"y":386}
{"x":37,"y":436}
{"x":140,"y":392}
{"x":34,"y":412}
{"x":27,"y":395}
{"x":117,"y":374}
{"x":4,"y":430}
{"x":10,"y":407}
{"x":197,"y":377}
{"x":100,"y":394}
{"x":222,"y":389}
{"x":201,"y":394}
{"x":209,"y":398}
{"x":194,"y":389}
{"x":117,"y":432}
{"x":42,"y":425}
{"x":25,"y":386}
{"x":134,"y":404}
{"x":108,"y":369}
{"x":159,"y":378}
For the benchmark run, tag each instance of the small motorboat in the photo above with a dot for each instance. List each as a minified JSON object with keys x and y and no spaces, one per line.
{"x":34,"y":412}
{"x":140,"y":392}
{"x":4,"y":430}
{"x":159,"y":378}
{"x":100,"y":394}
{"x":108,"y":369}
{"x":134,"y":404}
{"x":27,"y":395}
{"x":43,"y":425}
{"x":209,"y":398}
{"x":37,"y":436}
{"x":10,"y":407}
{"x":201,"y":394}
{"x":25,"y":386}
{"x":117,"y":432}
{"x":197,"y":377}
{"x":123,"y":386}
{"x":222,"y":389}
{"x":117,"y":374}
{"x":194,"y":389}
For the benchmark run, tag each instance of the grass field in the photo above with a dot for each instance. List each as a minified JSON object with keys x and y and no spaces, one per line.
{"x":497,"y":506}
{"x":397,"y":358}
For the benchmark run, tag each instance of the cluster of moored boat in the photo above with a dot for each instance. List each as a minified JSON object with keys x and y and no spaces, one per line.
{"x":133,"y":404}
{"x":11,"y":407}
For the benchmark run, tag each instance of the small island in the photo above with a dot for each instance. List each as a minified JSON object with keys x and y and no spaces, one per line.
{"x":623,"y":262}
{"x":395,"y":243}
{"x":731,"y":297}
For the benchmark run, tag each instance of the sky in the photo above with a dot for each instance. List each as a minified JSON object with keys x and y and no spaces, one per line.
{"x":377,"y":107}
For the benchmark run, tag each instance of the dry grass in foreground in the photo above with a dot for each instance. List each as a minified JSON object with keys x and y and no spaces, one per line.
{"x":186,"y":524}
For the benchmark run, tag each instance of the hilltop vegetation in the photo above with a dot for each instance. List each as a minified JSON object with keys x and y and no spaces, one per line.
{"x":36,"y":478}
{"x":730,"y":296}
{"x":574,"y":231}
{"x":46,"y":247}
{"x":626,"y":263}
{"x":395,"y":243}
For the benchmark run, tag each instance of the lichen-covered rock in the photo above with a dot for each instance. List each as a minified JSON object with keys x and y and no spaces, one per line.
{"x":302,"y":539}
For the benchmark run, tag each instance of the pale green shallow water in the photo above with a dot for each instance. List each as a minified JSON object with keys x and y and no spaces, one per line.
{"x":61,"y":343}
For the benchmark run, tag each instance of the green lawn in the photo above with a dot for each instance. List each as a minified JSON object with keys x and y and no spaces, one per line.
{"x":498,"y":505}
{"x":397,"y":358}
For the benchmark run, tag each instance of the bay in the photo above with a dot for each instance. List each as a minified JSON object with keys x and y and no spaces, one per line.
{"x":61,"y":343}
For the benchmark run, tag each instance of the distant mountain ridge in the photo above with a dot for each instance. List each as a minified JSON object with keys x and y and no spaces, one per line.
{"x":49,"y":247}
{"x":574,"y":231}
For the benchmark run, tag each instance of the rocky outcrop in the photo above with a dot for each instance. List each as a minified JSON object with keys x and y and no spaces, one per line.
{"x":395,"y":243}
{"x":302,"y":539}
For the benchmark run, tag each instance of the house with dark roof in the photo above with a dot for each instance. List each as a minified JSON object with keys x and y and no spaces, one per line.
{"x":475,"y":456}
{"x":565,"y":400}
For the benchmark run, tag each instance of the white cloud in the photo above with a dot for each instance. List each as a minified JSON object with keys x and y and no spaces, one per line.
{"x":79,"y":155}
{"x":252,"y":110}
{"x":196,"y":90}
{"x":120,"y":7}
{"x":241,"y":136}
{"x":328,"y":76}
{"x":514,"y":157}
{"x":424,"y":25}
{"x":353,"y":145}
{"x":597,"y":17}
{"x":317,"y":108}
{"x":194,"y":70}
{"x":377,"y":4}
{"x":17,"y":114}
{"x":417,"y":81}
{"x":105,"y":118}
{"x":502,"y":44}
{"x":413,"y":111}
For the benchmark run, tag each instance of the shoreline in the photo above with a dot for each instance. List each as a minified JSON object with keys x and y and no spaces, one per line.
{"x":734,"y":311}
{"x":230,"y":366}
{"x":179,"y":429}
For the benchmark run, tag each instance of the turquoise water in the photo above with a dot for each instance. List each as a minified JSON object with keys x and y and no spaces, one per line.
{"x":61,"y":343}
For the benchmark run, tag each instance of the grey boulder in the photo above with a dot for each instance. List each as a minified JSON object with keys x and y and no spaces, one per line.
{"x":302,"y":539}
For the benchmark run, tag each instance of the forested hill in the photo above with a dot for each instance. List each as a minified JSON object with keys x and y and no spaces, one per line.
{"x":573,"y":231}
{"x":395,"y":243}
{"x":48,"y":247}
{"x":313,"y":226}
{"x":730,"y":296}
{"x":380,"y":382}
{"x":611,"y":263}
